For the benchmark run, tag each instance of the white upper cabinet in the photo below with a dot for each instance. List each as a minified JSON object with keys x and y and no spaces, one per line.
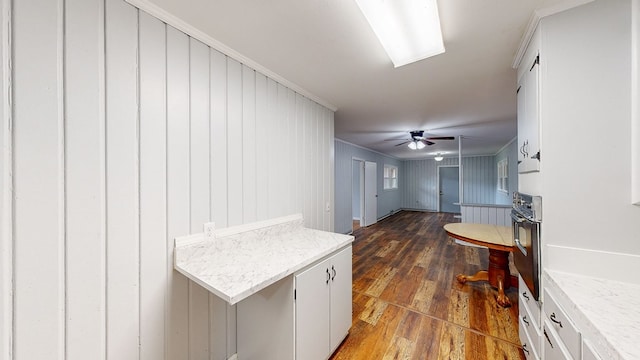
{"x":529,"y":110}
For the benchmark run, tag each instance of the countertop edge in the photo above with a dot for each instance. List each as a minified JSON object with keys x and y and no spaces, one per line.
{"x":582,"y":316}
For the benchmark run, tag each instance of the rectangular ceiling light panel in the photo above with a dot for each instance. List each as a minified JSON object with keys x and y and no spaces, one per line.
{"x":409,"y":30}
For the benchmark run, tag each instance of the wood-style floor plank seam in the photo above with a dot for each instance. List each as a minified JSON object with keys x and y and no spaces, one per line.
{"x":407,"y":304}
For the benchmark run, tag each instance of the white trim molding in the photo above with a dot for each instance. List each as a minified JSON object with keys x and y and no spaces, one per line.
{"x":635,"y":102}
{"x":195,"y":33}
{"x":6,"y":186}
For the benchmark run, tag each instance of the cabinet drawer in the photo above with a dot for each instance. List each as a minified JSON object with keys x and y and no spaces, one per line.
{"x":527,"y":300}
{"x":529,"y":347}
{"x":553,"y":347}
{"x":557,"y":319}
{"x":530,"y":330}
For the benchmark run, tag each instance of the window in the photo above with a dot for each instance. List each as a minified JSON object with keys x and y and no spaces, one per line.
{"x":390,"y":177}
{"x":503,"y":175}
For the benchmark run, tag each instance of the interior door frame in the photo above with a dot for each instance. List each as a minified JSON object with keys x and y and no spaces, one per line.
{"x":438,"y":184}
{"x":374,"y":218}
{"x":360,"y":189}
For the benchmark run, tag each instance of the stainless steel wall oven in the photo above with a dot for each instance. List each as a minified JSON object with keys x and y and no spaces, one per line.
{"x":526,"y":220}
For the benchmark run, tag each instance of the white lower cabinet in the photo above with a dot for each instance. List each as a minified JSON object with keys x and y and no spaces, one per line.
{"x":323,"y":306}
{"x":529,"y":322}
{"x":304,"y":316}
{"x":561,"y":336}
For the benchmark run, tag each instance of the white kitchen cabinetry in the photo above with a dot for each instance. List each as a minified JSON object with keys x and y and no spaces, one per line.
{"x":529,"y":322}
{"x":529,"y":109}
{"x":562,"y":338}
{"x":323,"y":306}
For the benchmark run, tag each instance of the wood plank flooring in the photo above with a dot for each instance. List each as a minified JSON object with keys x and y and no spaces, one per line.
{"x":408,"y":305}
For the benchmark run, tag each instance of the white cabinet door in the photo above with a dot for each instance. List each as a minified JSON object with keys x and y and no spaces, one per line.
{"x":341,"y":298}
{"x":528,"y":115}
{"x":312,"y":312}
{"x":522,"y":113}
{"x":532,"y":147}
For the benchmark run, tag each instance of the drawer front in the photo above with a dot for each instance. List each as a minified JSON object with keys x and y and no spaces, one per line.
{"x":527,"y":300}
{"x":528,"y":346}
{"x":557,"y":319}
{"x":528,"y":325}
{"x":553,"y":347}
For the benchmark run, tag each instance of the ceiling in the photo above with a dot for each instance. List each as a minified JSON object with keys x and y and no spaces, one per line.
{"x":327,"y":48}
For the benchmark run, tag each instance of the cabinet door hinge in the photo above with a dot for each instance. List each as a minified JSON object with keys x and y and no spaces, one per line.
{"x":535,"y":62}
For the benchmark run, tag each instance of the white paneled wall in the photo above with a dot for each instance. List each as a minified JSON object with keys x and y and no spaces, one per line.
{"x":6,"y":243}
{"x":486,"y":214}
{"x":120,"y":134}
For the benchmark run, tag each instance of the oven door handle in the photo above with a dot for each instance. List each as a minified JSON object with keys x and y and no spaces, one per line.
{"x":518,"y":220}
{"x":522,"y":249}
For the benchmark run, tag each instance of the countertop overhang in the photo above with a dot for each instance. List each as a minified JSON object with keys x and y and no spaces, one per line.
{"x":235,"y":263}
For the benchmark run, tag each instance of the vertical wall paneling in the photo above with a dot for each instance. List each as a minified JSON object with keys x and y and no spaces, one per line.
{"x":262,"y":148}
{"x":219,"y":337}
{"x":273,"y":138}
{"x":279,"y":174}
{"x":6,"y":223}
{"x":249,"y":149}
{"x":332,"y":166}
{"x":140,"y":134}
{"x":178,"y":184}
{"x":153,"y":186}
{"x":219,"y":144}
{"x":122,"y":180}
{"x":308,"y":165}
{"x":84,"y":174}
{"x":199,"y":187}
{"x":299,"y":152}
{"x":235,"y":141}
{"x":38,"y":179}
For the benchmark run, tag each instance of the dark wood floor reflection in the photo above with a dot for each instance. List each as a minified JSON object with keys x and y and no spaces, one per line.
{"x":408,"y":305}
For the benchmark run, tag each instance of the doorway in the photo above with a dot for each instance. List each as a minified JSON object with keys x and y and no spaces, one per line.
{"x":364,"y":193}
{"x":449,"y":189}
{"x":370,"y":216}
{"x":357,"y":193}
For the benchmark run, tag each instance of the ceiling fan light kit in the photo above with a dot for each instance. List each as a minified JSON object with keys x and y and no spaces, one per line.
{"x":418,"y":141}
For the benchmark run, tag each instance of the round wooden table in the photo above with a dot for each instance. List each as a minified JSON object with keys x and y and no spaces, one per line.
{"x":499,"y":241}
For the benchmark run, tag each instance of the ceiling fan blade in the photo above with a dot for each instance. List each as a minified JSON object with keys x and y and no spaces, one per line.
{"x":441,"y":138}
{"x":398,"y":139}
{"x":402,"y":143}
{"x":427,"y":142}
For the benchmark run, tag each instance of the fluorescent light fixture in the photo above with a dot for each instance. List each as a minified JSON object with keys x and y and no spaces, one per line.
{"x":409,"y":30}
{"x":438,"y":157}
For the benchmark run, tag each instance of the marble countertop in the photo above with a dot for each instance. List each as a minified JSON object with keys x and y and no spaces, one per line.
{"x":237,"y":262}
{"x":608,"y":312}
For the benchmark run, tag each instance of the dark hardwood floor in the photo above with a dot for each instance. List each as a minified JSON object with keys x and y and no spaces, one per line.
{"x":408,"y":305}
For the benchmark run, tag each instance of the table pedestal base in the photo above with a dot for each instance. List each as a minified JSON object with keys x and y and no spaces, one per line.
{"x":497,"y":275}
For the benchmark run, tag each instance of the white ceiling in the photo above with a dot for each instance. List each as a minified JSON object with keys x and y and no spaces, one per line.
{"x":327,"y":48}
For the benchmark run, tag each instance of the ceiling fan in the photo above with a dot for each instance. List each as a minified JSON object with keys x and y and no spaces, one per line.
{"x":419,"y":141}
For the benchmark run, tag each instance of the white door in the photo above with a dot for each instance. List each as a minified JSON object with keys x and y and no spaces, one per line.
{"x":449,"y":189}
{"x":341,"y":299}
{"x":312,"y":312}
{"x":370,"y":194}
